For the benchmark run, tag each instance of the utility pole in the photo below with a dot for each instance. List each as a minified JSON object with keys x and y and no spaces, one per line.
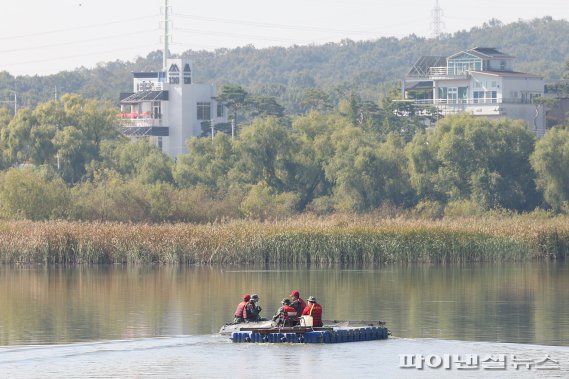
{"x":15,"y":101}
{"x":437,"y":24}
{"x":166,"y":34}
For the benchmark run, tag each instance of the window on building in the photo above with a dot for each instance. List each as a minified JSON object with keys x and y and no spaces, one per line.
{"x":452,"y":95}
{"x":461,"y":64}
{"x":442,"y":96}
{"x":156,"y":110}
{"x":502,"y":65}
{"x":204,"y":112}
{"x":462,"y":94}
{"x":478,"y":97}
{"x":219,"y":110}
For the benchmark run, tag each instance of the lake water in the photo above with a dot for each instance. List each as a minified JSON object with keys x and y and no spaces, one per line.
{"x":146,"y":321}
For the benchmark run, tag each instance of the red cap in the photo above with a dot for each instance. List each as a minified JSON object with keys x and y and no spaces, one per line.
{"x":246,"y":297}
{"x":295,"y":293}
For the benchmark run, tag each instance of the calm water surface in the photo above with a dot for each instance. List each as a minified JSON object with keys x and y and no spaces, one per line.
{"x":117,"y":321}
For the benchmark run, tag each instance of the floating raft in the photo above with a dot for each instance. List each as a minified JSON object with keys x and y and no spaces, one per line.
{"x":310,"y":335}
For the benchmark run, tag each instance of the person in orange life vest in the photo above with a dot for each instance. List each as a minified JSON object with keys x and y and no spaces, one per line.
{"x":286,"y":315}
{"x":253,"y":309}
{"x":240,"y":313}
{"x":315,"y":310}
{"x":297,"y":303}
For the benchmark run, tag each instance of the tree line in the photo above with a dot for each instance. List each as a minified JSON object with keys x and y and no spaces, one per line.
{"x":67,"y":160}
{"x":368,"y":67}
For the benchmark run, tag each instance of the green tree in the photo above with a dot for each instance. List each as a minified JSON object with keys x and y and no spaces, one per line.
{"x":424,"y":166}
{"x":52,"y":113}
{"x":312,"y":137}
{"x":468,"y":158}
{"x":207,"y":163}
{"x":42,"y":150}
{"x":566,"y":72}
{"x":34,"y":194}
{"x":96,"y":119}
{"x":138,"y":159}
{"x":405,"y":118}
{"x":74,"y":152}
{"x":110,"y":198}
{"x":315,"y":99}
{"x":262,"y":202}
{"x":550,"y":161}
{"x":16,"y":137}
{"x":366,"y":173}
{"x":266,"y":106}
{"x":235,"y":98}
{"x":266,"y":149}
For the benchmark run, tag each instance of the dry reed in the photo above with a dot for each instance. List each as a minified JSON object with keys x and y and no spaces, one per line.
{"x":303,"y":240}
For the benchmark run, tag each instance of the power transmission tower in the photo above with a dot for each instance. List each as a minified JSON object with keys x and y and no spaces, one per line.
{"x":437,"y":24}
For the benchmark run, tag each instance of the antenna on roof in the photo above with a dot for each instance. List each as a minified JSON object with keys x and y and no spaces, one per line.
{"x":166,"y":25}
{"x":437,"y":24}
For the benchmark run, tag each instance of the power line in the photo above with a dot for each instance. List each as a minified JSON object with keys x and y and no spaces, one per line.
{"x":58,"y":58}
{"x":235,"y":35}
{"x":43,"y":33}
{"x":289,"y":27}
{"x":77,"y":41}
{"x":268,"y":25}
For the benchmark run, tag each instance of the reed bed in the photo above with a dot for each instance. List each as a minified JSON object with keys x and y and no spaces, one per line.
{"x":304,"y":240}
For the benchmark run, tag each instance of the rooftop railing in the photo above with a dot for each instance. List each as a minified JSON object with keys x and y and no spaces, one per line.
{"x":139,"y":122}
{"x":437,"y":72}
{"x":485,"y":100}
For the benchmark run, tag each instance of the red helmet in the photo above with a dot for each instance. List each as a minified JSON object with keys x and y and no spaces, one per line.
{"x":295,"y":293}
{"x":246,"y":297}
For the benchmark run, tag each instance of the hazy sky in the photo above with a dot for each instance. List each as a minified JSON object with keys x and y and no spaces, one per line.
{"x":43,"y":37}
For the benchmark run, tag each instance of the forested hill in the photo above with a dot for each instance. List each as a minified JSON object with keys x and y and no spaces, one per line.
{"x":541,"y":46}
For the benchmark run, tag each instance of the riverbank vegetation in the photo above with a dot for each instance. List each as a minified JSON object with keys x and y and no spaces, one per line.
{"x":350,"y":182}
{"x":303,"y":240}
{"x":67,"y":161}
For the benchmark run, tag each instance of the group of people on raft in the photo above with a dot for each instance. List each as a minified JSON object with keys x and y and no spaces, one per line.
{"x":289,"y":314}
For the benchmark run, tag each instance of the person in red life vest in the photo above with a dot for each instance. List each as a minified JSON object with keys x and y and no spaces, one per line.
{"x":253,"y":309}
{"x":315,"y":310}
{"x":297,"y":303}
{"x":286,"y":315}
{"x":241,"y":313}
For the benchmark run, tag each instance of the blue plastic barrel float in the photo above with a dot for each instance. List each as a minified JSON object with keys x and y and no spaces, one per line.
{"x":320,"y":336}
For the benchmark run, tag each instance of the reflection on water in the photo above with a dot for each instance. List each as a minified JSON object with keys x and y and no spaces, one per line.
{"x":522,"y":303}
{"x":215,"y":357}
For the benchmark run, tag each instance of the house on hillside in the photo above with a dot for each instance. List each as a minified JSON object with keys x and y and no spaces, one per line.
{"x":169,"y":108}
{"x":480,"y":81}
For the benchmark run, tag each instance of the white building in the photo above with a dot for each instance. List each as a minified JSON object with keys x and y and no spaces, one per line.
{"x":479,"y":81}
{"x":168,"y":107}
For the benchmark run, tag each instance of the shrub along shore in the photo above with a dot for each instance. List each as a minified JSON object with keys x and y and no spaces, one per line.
{"x":332,"y":240}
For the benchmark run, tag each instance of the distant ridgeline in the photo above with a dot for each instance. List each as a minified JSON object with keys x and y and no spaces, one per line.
{"x":368,"y":68}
